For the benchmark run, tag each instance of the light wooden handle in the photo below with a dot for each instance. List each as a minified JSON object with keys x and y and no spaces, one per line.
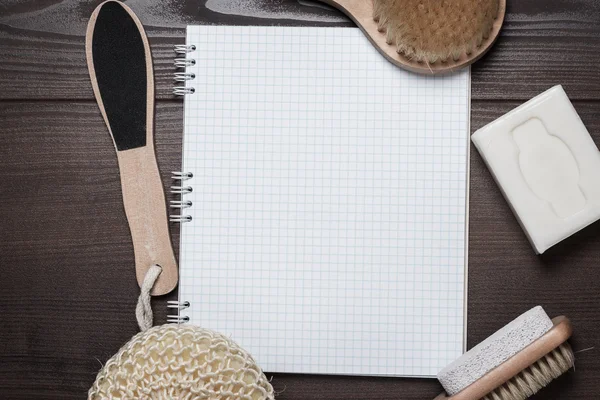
{"x":145,"y":206}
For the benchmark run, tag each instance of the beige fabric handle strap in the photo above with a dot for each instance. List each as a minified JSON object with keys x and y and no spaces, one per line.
{"x":143,"y":310}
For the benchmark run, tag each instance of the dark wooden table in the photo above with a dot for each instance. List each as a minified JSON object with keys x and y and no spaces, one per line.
{"x":67,"y":287}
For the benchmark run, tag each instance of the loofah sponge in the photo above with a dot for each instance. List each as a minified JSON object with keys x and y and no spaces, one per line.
{"x":184,"y":363}
{"x":439,"y":30}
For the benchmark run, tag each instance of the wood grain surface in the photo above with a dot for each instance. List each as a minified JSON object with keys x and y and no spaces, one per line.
{"x":68,"y":287}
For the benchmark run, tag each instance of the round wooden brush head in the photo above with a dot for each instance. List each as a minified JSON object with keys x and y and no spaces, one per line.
{"x":428,"y":36}
{"x":435,"y":31}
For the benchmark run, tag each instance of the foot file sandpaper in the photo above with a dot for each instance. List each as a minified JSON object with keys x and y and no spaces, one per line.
{"x":120,"y":66}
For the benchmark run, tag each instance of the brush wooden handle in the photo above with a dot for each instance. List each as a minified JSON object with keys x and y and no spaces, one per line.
{"x":361,"y":12}
{"x":556,"y":336}
{"x":120,"y":66}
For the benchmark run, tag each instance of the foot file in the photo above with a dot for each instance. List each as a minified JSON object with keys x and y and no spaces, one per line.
{"x":514,"y":363}
{"x":120,"y":66}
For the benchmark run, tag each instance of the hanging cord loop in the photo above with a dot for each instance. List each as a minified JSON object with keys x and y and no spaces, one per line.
{"x":143,"y":310}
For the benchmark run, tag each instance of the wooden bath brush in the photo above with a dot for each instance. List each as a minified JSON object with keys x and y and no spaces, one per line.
{"x":427,"y":36}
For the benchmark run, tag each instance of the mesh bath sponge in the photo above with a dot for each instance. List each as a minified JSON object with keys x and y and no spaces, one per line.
{"x":184,"y":363}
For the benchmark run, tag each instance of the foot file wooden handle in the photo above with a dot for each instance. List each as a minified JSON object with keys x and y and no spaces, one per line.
{"x":120,"y":66}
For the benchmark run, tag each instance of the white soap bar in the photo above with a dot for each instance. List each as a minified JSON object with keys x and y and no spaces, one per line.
{"x":547,"y":166}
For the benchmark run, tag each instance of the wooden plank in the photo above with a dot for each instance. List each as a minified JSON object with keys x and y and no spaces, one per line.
{"x":68,"y":291}
{"x":506,"y":277}
{"x":42,"y":50}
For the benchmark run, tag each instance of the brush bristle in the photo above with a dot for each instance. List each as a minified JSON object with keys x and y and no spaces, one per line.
{"x":536,"y":376}
{"x":433,"y":31}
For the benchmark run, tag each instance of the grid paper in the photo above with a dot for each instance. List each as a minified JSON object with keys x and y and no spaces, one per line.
{"x":329,"y":202}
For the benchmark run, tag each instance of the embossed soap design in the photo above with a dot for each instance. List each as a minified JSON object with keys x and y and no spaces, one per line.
{"x":546,"y":165}
{"x":549,"y":168}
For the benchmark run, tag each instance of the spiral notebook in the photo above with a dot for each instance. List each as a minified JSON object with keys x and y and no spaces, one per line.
{"x":324,"y":201}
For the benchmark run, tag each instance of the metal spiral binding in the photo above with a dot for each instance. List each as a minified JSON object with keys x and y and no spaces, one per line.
{"x":182,"y":90}
{"x":177,"y":318}
{"x":180,"y":204}
{"x":183,"y":176}
{"x":181,"y":190}
{"x":178,"y":305}
{"x":183,"y":76}
{"x":180,"y":218}
{"x":184,"y":62}
{"x":184,"y":49}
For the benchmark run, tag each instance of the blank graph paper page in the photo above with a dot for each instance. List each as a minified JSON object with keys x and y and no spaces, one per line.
{"x":329,"y":202}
